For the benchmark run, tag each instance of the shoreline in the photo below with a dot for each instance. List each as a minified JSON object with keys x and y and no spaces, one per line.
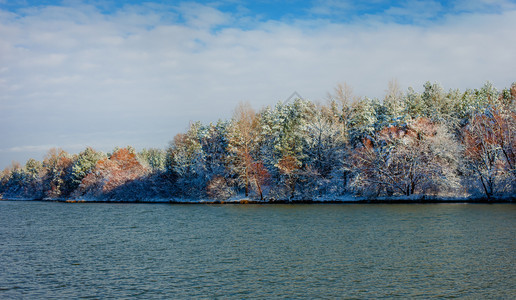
{"x":398,"y":200}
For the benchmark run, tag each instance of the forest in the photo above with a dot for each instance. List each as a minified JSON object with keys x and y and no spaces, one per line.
{"x":434,"y":143}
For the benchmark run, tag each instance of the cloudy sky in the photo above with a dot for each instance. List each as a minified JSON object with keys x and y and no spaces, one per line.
{"x":101,"y":74}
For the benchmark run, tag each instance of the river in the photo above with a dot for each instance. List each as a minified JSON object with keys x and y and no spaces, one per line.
{"x":148,"y":251}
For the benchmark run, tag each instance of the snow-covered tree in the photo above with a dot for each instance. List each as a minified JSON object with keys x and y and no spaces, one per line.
{"x":433,"y":142}
{"x":340,"y":102}
{"x":111,"y":174}
{"x":15,"y":181}
{"x":243,"y":135}
{"x":213,"y":139}
{"x":152,"y":158}
{"x":34,"y":172}
{"x":477,"y":101}
{"x":490,"y":150}
{"x":57,"y":166}
{"x":219,"y":188}
{"x":394,"y":102}
{"x":186,"y":152}
{"x":282,"y":144}
{"x":83,"y":165}
{"x":324,"y":146}
{"x":362,"y":121}
{"x":186,"y":162}
{"x":420,"y":158}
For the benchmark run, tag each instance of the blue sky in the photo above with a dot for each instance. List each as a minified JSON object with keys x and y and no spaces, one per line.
{"x":334,"y":11}
{"x":111,"y":73}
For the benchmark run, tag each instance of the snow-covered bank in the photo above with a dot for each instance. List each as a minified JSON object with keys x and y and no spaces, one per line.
{"x":346,"y":199}
{"x":18,"y":199}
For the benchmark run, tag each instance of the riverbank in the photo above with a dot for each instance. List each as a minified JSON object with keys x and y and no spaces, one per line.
{"x":336,"y":200}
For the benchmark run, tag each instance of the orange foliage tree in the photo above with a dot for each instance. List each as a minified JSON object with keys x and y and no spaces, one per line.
{"x":243,"y":145}
{"x":113,"y":172}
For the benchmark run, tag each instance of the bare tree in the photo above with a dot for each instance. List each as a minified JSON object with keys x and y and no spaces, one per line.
{"x":490,"y":149}
{"x":420,"y":158}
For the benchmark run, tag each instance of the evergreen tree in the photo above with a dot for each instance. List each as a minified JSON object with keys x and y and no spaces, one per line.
{"x":153,"y":158}
{"x":362,"y":121}
{"x":83,"y":165}
{"x":282,"y":147}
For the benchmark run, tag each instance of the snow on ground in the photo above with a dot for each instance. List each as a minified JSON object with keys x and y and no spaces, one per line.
{"x":241,"y":199}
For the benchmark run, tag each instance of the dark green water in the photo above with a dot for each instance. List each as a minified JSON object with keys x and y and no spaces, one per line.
{"x":58,"y":250}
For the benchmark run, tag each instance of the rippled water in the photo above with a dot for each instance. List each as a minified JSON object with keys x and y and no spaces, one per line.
{"x":256,"y":251}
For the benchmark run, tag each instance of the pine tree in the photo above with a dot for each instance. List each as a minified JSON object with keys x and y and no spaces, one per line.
{"x":83,"y":165}
{"x":282,"y":146}
{"x":362,"y":121}
{"x":152,"y":158}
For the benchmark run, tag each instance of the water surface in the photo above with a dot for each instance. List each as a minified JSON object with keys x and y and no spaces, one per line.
{"x":257,"y":251}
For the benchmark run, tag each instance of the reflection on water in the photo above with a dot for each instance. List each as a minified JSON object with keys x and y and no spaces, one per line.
{"x":248,"y":251}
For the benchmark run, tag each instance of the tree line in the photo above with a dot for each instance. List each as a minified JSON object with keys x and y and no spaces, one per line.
{"x":433,"y":143}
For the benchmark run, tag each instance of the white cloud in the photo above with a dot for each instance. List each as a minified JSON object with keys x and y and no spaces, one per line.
{"x":201,"y":16}
{"x":136,"y":77}
{"x":29,"y":148}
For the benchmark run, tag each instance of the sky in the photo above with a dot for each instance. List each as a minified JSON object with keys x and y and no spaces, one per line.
{"x":115,"y":73}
